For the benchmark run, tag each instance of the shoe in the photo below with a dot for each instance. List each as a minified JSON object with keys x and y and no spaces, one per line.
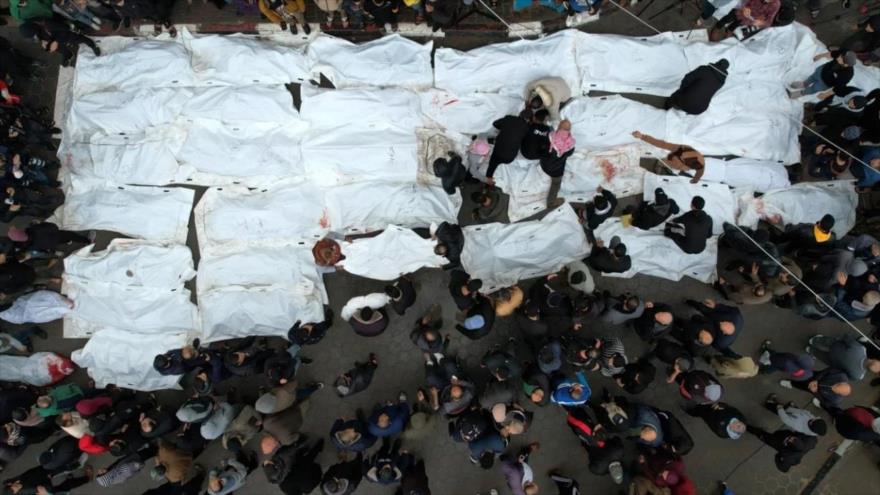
{"x":293,"y":29}
{"x":401,"y":397}
{"x":814,"y":14}
{"x":345,"y":24}
{"x":764,"y":359}
{"x":808,"y":350}
{"x":39,"y":332}
{"x":394,"y":27}
{"x":785,"y":383}
{"x":616,"y":472}
{"x":92,"y":235}
{"x":765,"y":346}
{"x":845,"y":4}
{"x":419,"y":19}
{"x":283,"y":26}
{"x":814,"y":337}
{"x":816,"y":402}
{"x":386,"y":27}
{"x":317,"y":385}
{"x":308,"y":30}
{"x":772,"y":398}
{"x":97,"y":51}
{"x":305,"y":360}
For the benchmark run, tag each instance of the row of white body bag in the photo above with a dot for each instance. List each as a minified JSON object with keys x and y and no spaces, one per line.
{"x":351,"y":161}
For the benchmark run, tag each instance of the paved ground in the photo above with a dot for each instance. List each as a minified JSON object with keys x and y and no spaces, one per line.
{"x":746,"y":466}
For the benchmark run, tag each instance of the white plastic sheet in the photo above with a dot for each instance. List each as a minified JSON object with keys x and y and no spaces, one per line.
{"x":115,"y":112}
{"x":125,"y":359}
{"x":720,"y":202}
{"x":388,"y":61}
{"x":132,"y":262}
{"x":41,"y":306}
{"x":237,"y":215}
{"x":761,"y":175}
{"x":616,"y":170}
{"x":806,"y":202}
{"x":240,"y":311}
{"x":242,"y":105}
{"x":333,"y":108}
{"x":467,"y":113}
{"x":654,"y":254}
{"x":242,"y":61}
{"x":153,"y":213}
{"x":351,"y":153}
{"x":395,"y":252}
{"x":608,"y":121}
{"x":522,"y":180}
{"x":507,"y":68}
{"x":39,"y":369}
{"x":369,"y":206}
{"x":502,"y":254}
{"x":144,"y":64}
{"x":290,"y":265}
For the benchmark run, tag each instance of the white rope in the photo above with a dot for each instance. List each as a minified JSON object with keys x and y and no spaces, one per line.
{"x":790,"y":273}
{"x":509,"y":27}
{"x":724,"y":73}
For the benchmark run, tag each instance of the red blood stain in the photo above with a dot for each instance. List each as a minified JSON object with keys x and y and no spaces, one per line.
{"x":608,"y":170}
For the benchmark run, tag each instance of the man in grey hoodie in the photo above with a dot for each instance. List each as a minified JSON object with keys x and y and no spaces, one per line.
{"x":844,"y":353}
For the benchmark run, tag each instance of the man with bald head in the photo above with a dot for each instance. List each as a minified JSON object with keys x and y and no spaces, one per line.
{"x":727,"y":323}
{"x":829,"y":387}
{"x":655,"y":322}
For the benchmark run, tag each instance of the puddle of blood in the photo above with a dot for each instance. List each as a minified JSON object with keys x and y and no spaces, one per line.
{"x":608,"y":170}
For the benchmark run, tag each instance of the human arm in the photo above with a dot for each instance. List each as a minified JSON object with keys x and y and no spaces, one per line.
{"x":654,"y":141}
{"x":269,"y":13}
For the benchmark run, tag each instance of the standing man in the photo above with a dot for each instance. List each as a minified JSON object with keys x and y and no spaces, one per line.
{"x":512,"y":130}
{"x":691,"y":230}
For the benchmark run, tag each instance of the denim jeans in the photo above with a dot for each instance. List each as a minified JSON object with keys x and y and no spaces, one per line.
{"x":814,"y":83}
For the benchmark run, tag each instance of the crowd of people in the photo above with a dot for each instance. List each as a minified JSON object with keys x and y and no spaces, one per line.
{"x":550,"y":361}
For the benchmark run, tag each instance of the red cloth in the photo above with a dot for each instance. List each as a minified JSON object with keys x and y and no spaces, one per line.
{"x":88,"y":445}
{"x":90,"y":407}
{"x":860,"y":414}
{"x":760,"y":13}
{"x":684,"y":487}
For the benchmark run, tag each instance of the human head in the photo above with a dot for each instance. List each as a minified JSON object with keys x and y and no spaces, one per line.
{"x":44,"y":401}
{"x":847,"y":58}
{"x":269,"y":444}
{"x":541,"y":116}
{"x":474,"y":322}
{"x":158,"y":472}
{"x":536,"y":102}
{"x":456,"y":392}
{"x":873,"y":365}
{"x":857,"y":102}
{"x":698,"y":203}
{"x":188,"y":352}
{"x":826,"y":223}
{"x":441,"y":249}
{"x":393,"y":291}
{"x":871,"y":298}
{"x":600,"y":203}
{"x":383,"y":420}
{"x":843,"y":389}
{"x":147,"y":424}
{"x":722,"y":65}
{"x":705,"y":337}
{"x":735,"y":428}
{"x":537,"y":395}
{"x":631,"y":303}
{"x":530,"y":488}
{"x":564,"y":125}
{"x":660,"y":197}
{"x":16,"y":235}
{"x":620,"y":250}
{"x":617,"y":361}
{"x":474,"y":285}
{"x":526,"y":114}
{"x":161,"y":361}
{"x":19,"y":414}
{"x":818,"y":426}
{"x":759,"y":290}
{"x":502,"y":373}
{"x":578,"y":277}
{"x":576,"y":391}
{"x":663,"y":317}
{"x":366,"y":313}
{"x":648,"y":434}
{"x":726,"y":327}
{"x":118,"y":447}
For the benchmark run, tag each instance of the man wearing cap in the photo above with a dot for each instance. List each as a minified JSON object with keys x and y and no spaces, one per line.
{"x":799,"y":420}
{"x":611,"y":259}
{"x":549,"y":93}
{"x":698,"y":87}
{"x":790,"y":446}
{"x":699,"y":387}
{"x":366,"y":314}
{"x":512,"y":129}
{"x":651,"y":214}
{"x":691,"y":230}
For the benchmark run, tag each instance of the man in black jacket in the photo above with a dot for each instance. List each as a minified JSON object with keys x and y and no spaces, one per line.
{"x":512,"y":129}
{"x":402,"y":293}
{"x":536,"y":144}
{"x":790,"y":446}
{"x":698,"y":87}
{"x":612,"y":259}
{"x":724,"y":420}
{"x":649,"y":215}
{"x":691,"y":230}
{"x":600,"y":209}
{"x":358,"y":378}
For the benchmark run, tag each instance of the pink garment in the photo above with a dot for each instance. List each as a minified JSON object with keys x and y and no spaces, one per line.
{"x":760,"y":12}
{"x":561,"y":141}
{"x":90,"y":407}
{"x":480,"y":147}
{"x":16,"y":234}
